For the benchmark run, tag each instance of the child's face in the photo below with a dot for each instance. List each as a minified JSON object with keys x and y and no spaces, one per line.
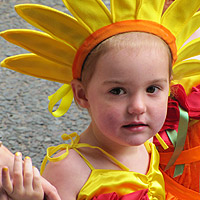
{"x":128,"y":94}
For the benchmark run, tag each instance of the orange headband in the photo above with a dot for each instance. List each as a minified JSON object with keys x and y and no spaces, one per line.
{"x":121,"y":27}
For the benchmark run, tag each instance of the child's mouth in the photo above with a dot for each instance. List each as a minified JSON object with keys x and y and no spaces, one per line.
{"x":135,"y":126}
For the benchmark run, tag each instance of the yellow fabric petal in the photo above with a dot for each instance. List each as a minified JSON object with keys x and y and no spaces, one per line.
{"x":65,"y":94}
{"x":191,"y":49}
{"x":188,"y":30}
{"x":33,"y":65}
{"x":41,"y":44}
{"x":178,"y":15}
{"x":188,"y":83}
{"x":150,"y":10}
{"x":186,"y":69}
{"x":127,"y":13}
{"x":91,"y":14}
{"x":59,"y":25}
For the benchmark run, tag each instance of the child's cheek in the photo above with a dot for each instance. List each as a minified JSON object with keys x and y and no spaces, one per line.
{"x":110,"y":118}
{"x":161,"y":116}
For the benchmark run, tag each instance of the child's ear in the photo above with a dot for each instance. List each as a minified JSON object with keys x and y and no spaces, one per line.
{"x":79,"y":93}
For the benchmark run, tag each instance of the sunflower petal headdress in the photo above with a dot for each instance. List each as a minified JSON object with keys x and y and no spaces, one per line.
{"x":58,"y":53}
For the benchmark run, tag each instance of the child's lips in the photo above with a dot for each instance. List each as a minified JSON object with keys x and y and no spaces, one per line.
{"x":136,"y":126}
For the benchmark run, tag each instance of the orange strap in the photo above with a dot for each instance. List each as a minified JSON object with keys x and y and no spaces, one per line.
{"x":121,"y":27}
{"x":178,"y":190}
{"x":186,"y":157}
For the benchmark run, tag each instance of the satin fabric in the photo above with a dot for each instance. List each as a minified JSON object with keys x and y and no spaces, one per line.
{"x":103,"y":181}
{"x":139,"y":195}
{"x":187,"y":185}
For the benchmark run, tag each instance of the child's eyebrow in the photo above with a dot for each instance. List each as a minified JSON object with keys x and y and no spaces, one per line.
{"x":113,"y":82}
{"x":126,"y":82}
{"x":159,"y":80}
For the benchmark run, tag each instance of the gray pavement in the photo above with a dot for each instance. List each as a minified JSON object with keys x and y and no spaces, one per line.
{"x":25,"y":123}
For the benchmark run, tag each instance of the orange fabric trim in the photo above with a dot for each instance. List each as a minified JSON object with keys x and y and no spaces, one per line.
{"x":121,"y":27}
{"x":179,"y":191}
{"x":186,"y":157}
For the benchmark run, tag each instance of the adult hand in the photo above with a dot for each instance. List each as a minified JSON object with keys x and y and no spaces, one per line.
{"x":3,"y":195}
{"x":7,"y":159}
{"x":26,"y":183}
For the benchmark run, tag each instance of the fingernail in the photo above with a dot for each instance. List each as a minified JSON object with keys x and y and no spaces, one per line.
{"x":18,"y":154}
{"x":27,"y":158}
{"x":5,"y":169}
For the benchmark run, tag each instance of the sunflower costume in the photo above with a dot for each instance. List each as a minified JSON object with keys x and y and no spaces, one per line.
{"x":58,"y":54}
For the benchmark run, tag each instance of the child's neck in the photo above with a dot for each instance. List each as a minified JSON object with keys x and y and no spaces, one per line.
{"x":136,"y":158}
{"x":110,"y":147}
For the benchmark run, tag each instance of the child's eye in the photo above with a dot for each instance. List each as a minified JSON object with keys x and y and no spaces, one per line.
{"x":152,"y":89}
{"x":117,"y":91}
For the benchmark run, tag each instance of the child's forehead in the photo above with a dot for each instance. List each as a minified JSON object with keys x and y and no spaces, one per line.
{"x":125,"y":68}
{"x":120,"y":60}
{"x":133,"y":39}
{"x":131,"y":43}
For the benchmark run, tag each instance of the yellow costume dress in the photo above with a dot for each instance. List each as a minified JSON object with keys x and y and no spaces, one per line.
{"x":107,"y":181}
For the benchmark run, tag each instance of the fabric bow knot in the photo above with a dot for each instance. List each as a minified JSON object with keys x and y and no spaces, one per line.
{"x":54,"y":149}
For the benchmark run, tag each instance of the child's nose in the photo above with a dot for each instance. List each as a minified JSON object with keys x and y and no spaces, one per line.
{"x":137,"y":105}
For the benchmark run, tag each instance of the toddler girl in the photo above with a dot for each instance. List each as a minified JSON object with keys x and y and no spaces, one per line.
{"x":126,"y":93}
{"x":122,"y":63}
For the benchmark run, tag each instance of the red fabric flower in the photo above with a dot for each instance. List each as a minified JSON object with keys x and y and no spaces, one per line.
{"x":139,"y":195}
{"x":190,"y":103}
{"x":173,"y":114}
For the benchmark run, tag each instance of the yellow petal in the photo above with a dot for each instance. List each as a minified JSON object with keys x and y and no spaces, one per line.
{"x":150,"y":10}
{"x":186,"y":69}
{"x":191,"y":49}
{"x":91,"y":14}
{"x":188,"y":30}
{"x":178,"y":15}
{"x":127,"y":13}
{"x":59,"y":25}
{"x":188,"y":83}
{"x":41,"y":44}
{"x":33,"y":65}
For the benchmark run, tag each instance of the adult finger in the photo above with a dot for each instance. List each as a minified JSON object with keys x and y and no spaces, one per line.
{"x":6,"y":181}
{"x":17,"y":173}
{"x":49,"y":190}
{"x":3,"y":195}
{"x":37,"y":185}
{"x":28,"y":174}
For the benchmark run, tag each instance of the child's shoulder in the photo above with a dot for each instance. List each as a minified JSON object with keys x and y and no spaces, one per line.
{"x":68,"y":175}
